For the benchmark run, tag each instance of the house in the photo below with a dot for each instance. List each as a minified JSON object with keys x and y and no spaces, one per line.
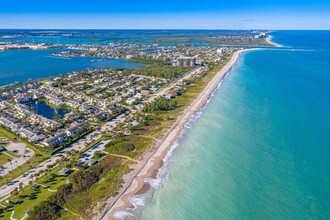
{"x":64,"y":172}
{"x":55,"y":141}
{"x":36,"y":138}
{"x":5,"y":121}
{"x":172,"y":92}
{"x":170,"y":96}
{"x":101,"y":116}
{"x":76,"y":129}
{"x":145,"y":92}
{"x":118,"y":99}
{"x":91,"y":162}
{"x":15,"y":127}
{"x":26,"y":133}
{"x":185,"y":82}
{"x":131,"y":91}
{"x":23,"y":100}
{"x":130,"y":101}
{"x":178,"y":89}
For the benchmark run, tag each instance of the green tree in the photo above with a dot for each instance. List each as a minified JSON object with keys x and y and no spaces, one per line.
{"x":62,"y":195}
{"x":46,"y":210}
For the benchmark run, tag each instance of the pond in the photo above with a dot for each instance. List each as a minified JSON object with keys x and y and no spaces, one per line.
{"x":42,"y":108}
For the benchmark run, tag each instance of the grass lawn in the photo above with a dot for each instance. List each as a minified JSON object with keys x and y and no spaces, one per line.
{"x":12,"y":154}
{"x":4,"y":158}
{"x":30,"y":197}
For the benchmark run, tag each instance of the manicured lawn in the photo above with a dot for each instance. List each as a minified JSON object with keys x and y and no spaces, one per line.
{"x":12,"y":154}
{"x":30,"y":197}
{"x":4,"y":158}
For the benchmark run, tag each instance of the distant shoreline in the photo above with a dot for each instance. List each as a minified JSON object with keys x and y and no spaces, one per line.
{"x":149,"y":166}
{"x":269,"y":40}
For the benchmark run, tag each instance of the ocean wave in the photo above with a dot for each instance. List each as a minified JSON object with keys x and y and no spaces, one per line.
{"x":288,"y":48}
{"x":156,"y":183}
{"x":10,"y":36}
{"x":60,"y":57}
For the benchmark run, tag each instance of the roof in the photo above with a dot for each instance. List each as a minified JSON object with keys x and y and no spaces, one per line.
{"x":64,"y":171}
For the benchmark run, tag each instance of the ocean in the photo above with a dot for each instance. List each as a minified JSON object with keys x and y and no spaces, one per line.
{"x":260,"y":149}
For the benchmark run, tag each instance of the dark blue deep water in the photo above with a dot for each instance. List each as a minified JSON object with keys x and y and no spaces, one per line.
{"x":22,"y":65}
{"x":41,"y":108}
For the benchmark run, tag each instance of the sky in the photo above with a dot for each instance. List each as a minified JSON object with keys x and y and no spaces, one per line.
{"x":165,"y":14}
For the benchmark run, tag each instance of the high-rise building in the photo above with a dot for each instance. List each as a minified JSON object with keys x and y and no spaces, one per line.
{"x":186,"y":61}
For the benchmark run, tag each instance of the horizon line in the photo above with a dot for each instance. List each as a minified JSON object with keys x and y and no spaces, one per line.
{"x":169,"y":29}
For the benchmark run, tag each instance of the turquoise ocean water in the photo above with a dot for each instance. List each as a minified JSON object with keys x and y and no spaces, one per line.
{"x":261,"y":147}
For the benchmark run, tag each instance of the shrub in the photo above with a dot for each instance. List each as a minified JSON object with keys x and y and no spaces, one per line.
{"x":160,"y":104}
{"x":46,"y":210}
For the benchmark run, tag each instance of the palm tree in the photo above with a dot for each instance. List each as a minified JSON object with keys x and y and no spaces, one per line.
{"x":9,"y":160}
{"x":14,"y":193}
{"x":20,"y":186}
{"x":26,"y":151}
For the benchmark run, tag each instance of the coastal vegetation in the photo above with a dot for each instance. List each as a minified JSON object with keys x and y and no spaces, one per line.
{"x":157,"y":68}
{"x":73,"y":195}
{"x":160,"y":104}
{"x":147,"y":60}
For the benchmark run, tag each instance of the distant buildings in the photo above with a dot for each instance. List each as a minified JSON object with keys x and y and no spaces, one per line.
{"x":260,"y":35}
{"x":11,"y":46}
{"x":186,"y":62}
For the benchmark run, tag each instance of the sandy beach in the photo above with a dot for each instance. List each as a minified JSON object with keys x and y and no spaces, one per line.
{"x":147,"y":168}
{"x":269,"y":40}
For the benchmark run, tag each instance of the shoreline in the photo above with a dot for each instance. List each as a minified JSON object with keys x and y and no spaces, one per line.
{"x":269,"y":40}
{"x":148,"y":168}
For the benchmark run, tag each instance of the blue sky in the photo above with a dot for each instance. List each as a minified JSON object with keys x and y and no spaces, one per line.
{"x":177,"y":14}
